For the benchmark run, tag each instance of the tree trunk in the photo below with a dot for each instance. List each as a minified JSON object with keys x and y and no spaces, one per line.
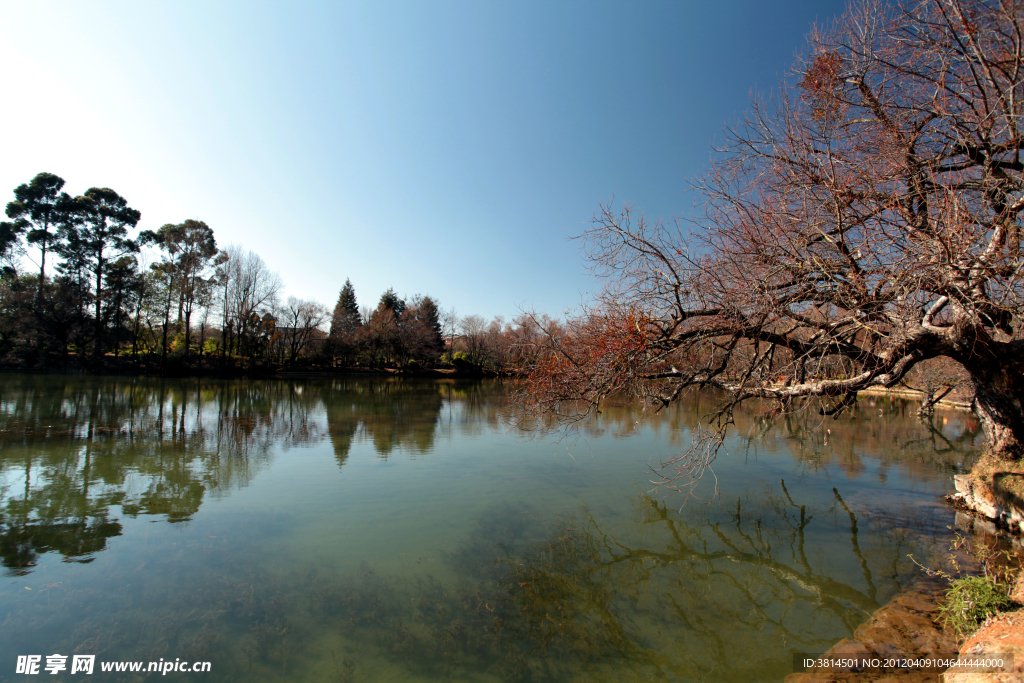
{"x":167,"y":323}
{"x":42,"y":265}
{"x":997,"y":401}
{"x":117,"y":328}
{"x":98,"y":348}
{"x":135,"y":334}
{"x":188,"y":330}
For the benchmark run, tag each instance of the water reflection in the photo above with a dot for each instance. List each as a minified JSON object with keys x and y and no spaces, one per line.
{"x":391,"y":415}
{"x":710,"y":594}
{"x":74,"y":447}
{"x":883,"y":430}
{"x":685,"y":596}
{"x":886,"y":432}
{"x":626,"y":589}
{"x":71,"y":448}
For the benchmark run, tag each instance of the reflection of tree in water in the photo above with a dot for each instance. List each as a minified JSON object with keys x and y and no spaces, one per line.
{"x":479,"y":406}
{"x":76,"y":540}
{"x":406,"y":414}
{"x":71,"y":448}
{"x":688,"y":596}
{"x":703,"y":596}
{"x":876,"y":430}
{"x":392,"y":413}
{"x":885,"y":434}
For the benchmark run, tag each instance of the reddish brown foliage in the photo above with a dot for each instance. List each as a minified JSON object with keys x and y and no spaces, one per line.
{"x":863,"y":220}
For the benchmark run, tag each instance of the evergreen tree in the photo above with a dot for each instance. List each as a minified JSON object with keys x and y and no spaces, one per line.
{"x":100,"y":238}
{"x":346,"y":319}
{"x":122,"y":285}
{"x":431,"y":317}
{"x":391,"y":301}
{"x":40,"y":207}
{"x":10,"y":236}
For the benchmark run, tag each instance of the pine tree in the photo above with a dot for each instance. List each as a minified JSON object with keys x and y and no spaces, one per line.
{"x":432,"y":319}
{"x":390,"y":300}
{"x":99,"y":238}
{"x":40,"y":206}
{"x":346,"y":318}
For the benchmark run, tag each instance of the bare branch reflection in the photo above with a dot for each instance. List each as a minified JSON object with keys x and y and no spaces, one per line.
{"x":687,"y":595}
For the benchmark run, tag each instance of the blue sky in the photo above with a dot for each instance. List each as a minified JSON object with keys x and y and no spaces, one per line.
{"x":442,"y":148}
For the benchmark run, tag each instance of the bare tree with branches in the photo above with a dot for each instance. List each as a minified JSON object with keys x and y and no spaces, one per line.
{"x":252,"y":292}
{"x":302,"y":321}
{"x":862,"y":220}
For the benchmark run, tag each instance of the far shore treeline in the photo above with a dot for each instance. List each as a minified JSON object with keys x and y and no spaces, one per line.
{"x":82,"y":289}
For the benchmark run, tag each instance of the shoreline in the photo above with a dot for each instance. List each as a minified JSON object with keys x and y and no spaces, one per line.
{"x":217,"y":371}
{"x":915,"y":396}
{"x":910,"y":625}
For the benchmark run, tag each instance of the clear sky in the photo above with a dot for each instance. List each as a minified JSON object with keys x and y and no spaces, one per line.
{"x":442,"y":148}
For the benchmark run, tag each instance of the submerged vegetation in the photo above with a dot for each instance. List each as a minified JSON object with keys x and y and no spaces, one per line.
{"x":661,"y":596}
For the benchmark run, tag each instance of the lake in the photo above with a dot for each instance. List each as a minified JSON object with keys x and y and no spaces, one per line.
{"x":367,"y":529}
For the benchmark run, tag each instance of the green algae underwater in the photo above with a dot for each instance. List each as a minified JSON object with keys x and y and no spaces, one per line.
{"x":358,"y":529}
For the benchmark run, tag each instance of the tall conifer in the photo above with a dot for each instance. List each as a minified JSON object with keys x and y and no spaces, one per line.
{"x":391,"y":301}
{"x":432,"y":320}
{"x":40,"y":205}
{"x":346,"y":318}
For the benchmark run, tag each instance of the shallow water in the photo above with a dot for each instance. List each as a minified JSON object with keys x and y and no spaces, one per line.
{"x":391,"y":530}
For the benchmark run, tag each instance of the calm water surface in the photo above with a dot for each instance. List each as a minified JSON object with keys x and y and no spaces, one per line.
{"x":354,"y":530}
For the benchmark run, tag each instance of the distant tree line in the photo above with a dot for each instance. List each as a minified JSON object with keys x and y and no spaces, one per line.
{"x":97,"y":288}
